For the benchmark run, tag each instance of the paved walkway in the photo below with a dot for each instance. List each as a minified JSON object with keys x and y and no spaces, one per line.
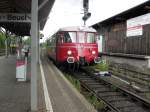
{"x":14,"y":96}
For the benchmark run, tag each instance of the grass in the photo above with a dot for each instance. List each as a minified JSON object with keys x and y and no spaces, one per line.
{"x":95,"y":102}
{"x":103,"y":66}
{"x":74,"y":81}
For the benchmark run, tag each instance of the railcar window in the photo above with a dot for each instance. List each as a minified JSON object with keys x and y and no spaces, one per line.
{"x":48,"y":42}
{"x":91,"y":38}
{"x":59,"y":38}
{"x":69,"y":37}
{"x":81,"y":36}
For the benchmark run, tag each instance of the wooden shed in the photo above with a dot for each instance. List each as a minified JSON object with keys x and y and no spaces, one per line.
{"x":127,"y":32}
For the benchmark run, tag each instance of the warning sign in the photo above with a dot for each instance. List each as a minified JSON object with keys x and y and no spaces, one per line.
{"x":135,"y":25}
{"x":135,"y":31}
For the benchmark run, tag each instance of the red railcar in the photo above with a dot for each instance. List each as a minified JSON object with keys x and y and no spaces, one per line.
{"x":73,"y":45}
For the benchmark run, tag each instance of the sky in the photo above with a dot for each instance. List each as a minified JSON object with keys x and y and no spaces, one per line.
{"x":70,"y":12}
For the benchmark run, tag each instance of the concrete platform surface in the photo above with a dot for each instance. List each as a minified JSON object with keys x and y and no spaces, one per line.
{"x":64,"y":97}
{"x":14,"y":96}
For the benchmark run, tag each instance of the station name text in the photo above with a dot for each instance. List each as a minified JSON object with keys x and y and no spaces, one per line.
{"x":15,"y":17}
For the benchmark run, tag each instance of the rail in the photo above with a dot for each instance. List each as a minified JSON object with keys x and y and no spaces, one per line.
{"x":138,"y":77}
{"x":117,"y":99}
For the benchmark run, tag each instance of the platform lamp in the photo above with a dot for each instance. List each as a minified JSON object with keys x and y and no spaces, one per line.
{"x":41,"y":35}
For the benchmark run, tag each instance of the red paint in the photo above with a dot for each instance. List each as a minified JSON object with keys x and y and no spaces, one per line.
{"x":20,"y":63}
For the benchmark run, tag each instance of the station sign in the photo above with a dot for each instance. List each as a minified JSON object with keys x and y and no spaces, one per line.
{"x":15,"y":17}
{"x":135,"y":25}
{"x":134,"y":31}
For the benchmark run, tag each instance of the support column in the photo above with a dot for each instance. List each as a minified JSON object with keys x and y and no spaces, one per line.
{"x":34,"y":54}
{"x":6,"y":44}
{"x":38,"y":58}
{"x":39,"y":42}
{"x":148,"y":61}
{"x":6,"y":48}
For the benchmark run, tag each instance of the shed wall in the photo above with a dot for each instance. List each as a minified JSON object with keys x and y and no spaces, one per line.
{"x":116,"y":41}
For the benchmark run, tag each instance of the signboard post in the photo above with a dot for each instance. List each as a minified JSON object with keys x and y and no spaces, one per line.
{"x":21,"y":70}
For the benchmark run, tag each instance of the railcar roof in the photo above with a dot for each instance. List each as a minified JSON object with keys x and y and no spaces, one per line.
{"x":78,"y":28}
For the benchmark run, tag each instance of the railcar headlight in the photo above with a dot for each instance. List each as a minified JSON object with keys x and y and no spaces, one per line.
{"x":69,"y":52}
{"x":93,"y":52}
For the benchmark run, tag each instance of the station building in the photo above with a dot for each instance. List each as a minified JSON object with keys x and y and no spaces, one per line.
{"x":126,"y":37}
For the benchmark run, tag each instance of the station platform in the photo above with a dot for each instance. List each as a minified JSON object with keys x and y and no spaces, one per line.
{"x":63,"y":95}
{"x":15,"y":96}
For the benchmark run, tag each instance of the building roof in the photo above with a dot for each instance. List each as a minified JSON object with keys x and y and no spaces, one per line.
{"x":122,"y":17}
{"x":24,"y":6}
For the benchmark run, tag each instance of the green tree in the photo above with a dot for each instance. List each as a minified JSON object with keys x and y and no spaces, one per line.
{"x":2,"y":40}
{"x":26,"y":41}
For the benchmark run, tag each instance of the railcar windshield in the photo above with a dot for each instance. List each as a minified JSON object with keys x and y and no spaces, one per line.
{"x":91,"y":38}
{"x":70,"y":37}
{"x":81,"y":37}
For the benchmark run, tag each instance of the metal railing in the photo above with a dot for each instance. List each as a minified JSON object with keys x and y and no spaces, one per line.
{"x":2,"y":52}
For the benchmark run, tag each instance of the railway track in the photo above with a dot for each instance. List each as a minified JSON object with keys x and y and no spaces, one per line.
{"x":139,"y":78}
{"x":116,"y":98}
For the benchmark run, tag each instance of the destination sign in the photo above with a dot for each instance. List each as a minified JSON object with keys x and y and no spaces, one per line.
{"x":15,"y":17}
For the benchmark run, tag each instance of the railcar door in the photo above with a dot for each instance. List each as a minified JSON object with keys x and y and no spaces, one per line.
{"x":53,"y":47}
{"x":81,"y":41}
{"x":59,"y":42}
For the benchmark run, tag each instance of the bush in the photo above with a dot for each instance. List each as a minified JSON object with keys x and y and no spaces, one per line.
{"x":2,"y":40}
{"x":103,"y":66}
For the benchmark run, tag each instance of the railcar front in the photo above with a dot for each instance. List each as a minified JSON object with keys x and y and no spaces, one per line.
{"x":77,"y":46}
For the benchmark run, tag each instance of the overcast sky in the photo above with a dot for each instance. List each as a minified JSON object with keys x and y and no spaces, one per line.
{"x":69,"y":12}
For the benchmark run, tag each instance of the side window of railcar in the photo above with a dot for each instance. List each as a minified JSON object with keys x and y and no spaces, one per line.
{"x":54,"y":39}
{"x":59,"y":38}
{"x":48,"y":42}
{"x":81,"y":37}
{"x":69,"y":37}
{"x":91,"y":38}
